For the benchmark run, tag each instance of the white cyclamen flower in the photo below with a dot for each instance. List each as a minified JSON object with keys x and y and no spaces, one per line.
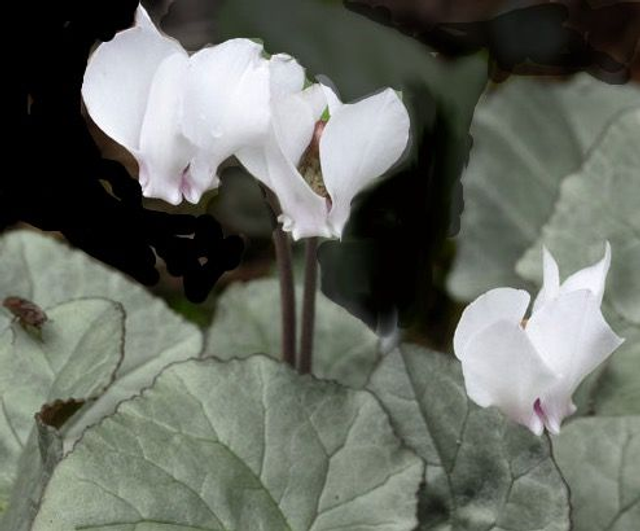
{"x":179,"y":116}
{"x":530,"y":368}
{"x":316,"y":168}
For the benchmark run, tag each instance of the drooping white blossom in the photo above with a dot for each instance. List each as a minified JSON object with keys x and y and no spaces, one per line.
{"x":180,"y":116}
{"x":530,"y":368}
{"x":315,"y":168}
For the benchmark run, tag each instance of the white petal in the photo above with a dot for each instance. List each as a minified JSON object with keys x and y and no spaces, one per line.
{"x":592,"y":278}
{"x":360,"y":142}
{"x":550,"y":282}
{"x":294,"y":118}
{"x":143,"y":19}
{"x":304,"y":213}
{"x":254,"y":159}
{"x":164,"y":153}
{"x":202,"y":175}
{"x":226,"y":105}
{"x":573,"y":338}
{"x":333,"y":101}
{"x":287,"y":76}
{"x":500,"y":304}
{"x":501,"y":368}
{"x":293,"y":122}
{"x":118,"y":79}
{"x":316,"y":97}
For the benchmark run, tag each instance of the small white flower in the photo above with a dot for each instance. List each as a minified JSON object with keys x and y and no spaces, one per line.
{"x":315,"y":168}
{"x":529,"y":369}
{"x":179,"y":116}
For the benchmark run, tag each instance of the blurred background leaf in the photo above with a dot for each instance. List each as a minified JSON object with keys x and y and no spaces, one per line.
{"x":528,"y":136}
{"x":600,"y":457}
{"x":246,"y":322}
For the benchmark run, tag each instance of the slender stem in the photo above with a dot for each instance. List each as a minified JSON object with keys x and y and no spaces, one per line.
{"x":285,"y":272}
{"x":287,"y":296}
{"x":308,"y":306}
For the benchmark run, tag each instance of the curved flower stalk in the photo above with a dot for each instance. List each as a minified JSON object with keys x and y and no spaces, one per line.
{"x":179,"y":116}
{"x":316,"y":167}
{"x":530,"y":368}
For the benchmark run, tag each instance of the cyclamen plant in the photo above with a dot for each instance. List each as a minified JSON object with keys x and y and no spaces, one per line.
{"x":181,"y":116}
{"x":118,"y":413}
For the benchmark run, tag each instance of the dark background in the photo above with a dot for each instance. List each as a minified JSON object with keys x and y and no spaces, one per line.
{"x":390,"y":266}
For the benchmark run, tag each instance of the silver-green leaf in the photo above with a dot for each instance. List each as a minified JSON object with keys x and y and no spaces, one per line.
{"x":243,"y":444}
{"x":48,"y":272}
{"x":483,"y":471}
{"x":528,"y":136}
{"x":600,"y":458}
{"x":75,"y":356}
{"x":40,"y":456}
{"x":598,"y":203}
{"x":247,"y":321}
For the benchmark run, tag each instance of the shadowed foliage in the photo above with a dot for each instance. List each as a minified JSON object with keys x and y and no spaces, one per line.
{"x":63,"y":184}
{"x":527,"y":37}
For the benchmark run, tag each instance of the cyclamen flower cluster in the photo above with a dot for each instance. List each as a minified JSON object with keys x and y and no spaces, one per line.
{"x":181,"y":116}
{"x":530,"y":368}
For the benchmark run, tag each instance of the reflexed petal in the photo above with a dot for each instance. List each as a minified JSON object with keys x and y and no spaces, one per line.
{"x":118,"y":78}
{"x":551,"y":280}
{"x":287,"y":76}
{"x":254,"y":159}
{"x":203,"y":170}
{"x":143,"y":19}
{"x":573,"y":338}
{"x":592,"y":278}
{"x":294,"y":119}
{"x":360,"y":142}
{"x":227,"y":95}
{"x":200,"y":176}
{"x":304,"y":213}
{"x":225,"y":108}
{"x":332,"y":99}
{"x":501,"y":368}
{"x":500,"y":304}
{"x":316,"y":97}
{"x":164,"y":153}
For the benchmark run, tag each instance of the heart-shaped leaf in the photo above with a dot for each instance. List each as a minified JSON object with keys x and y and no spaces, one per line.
{"x":528,"y":135}
{"x":600,"y":458}
{"x":243,"y":444}
{"x":75,"y":356}
{"x":48,"y":272}
{"x":41,"y":454}
{"x":483,"y":471}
